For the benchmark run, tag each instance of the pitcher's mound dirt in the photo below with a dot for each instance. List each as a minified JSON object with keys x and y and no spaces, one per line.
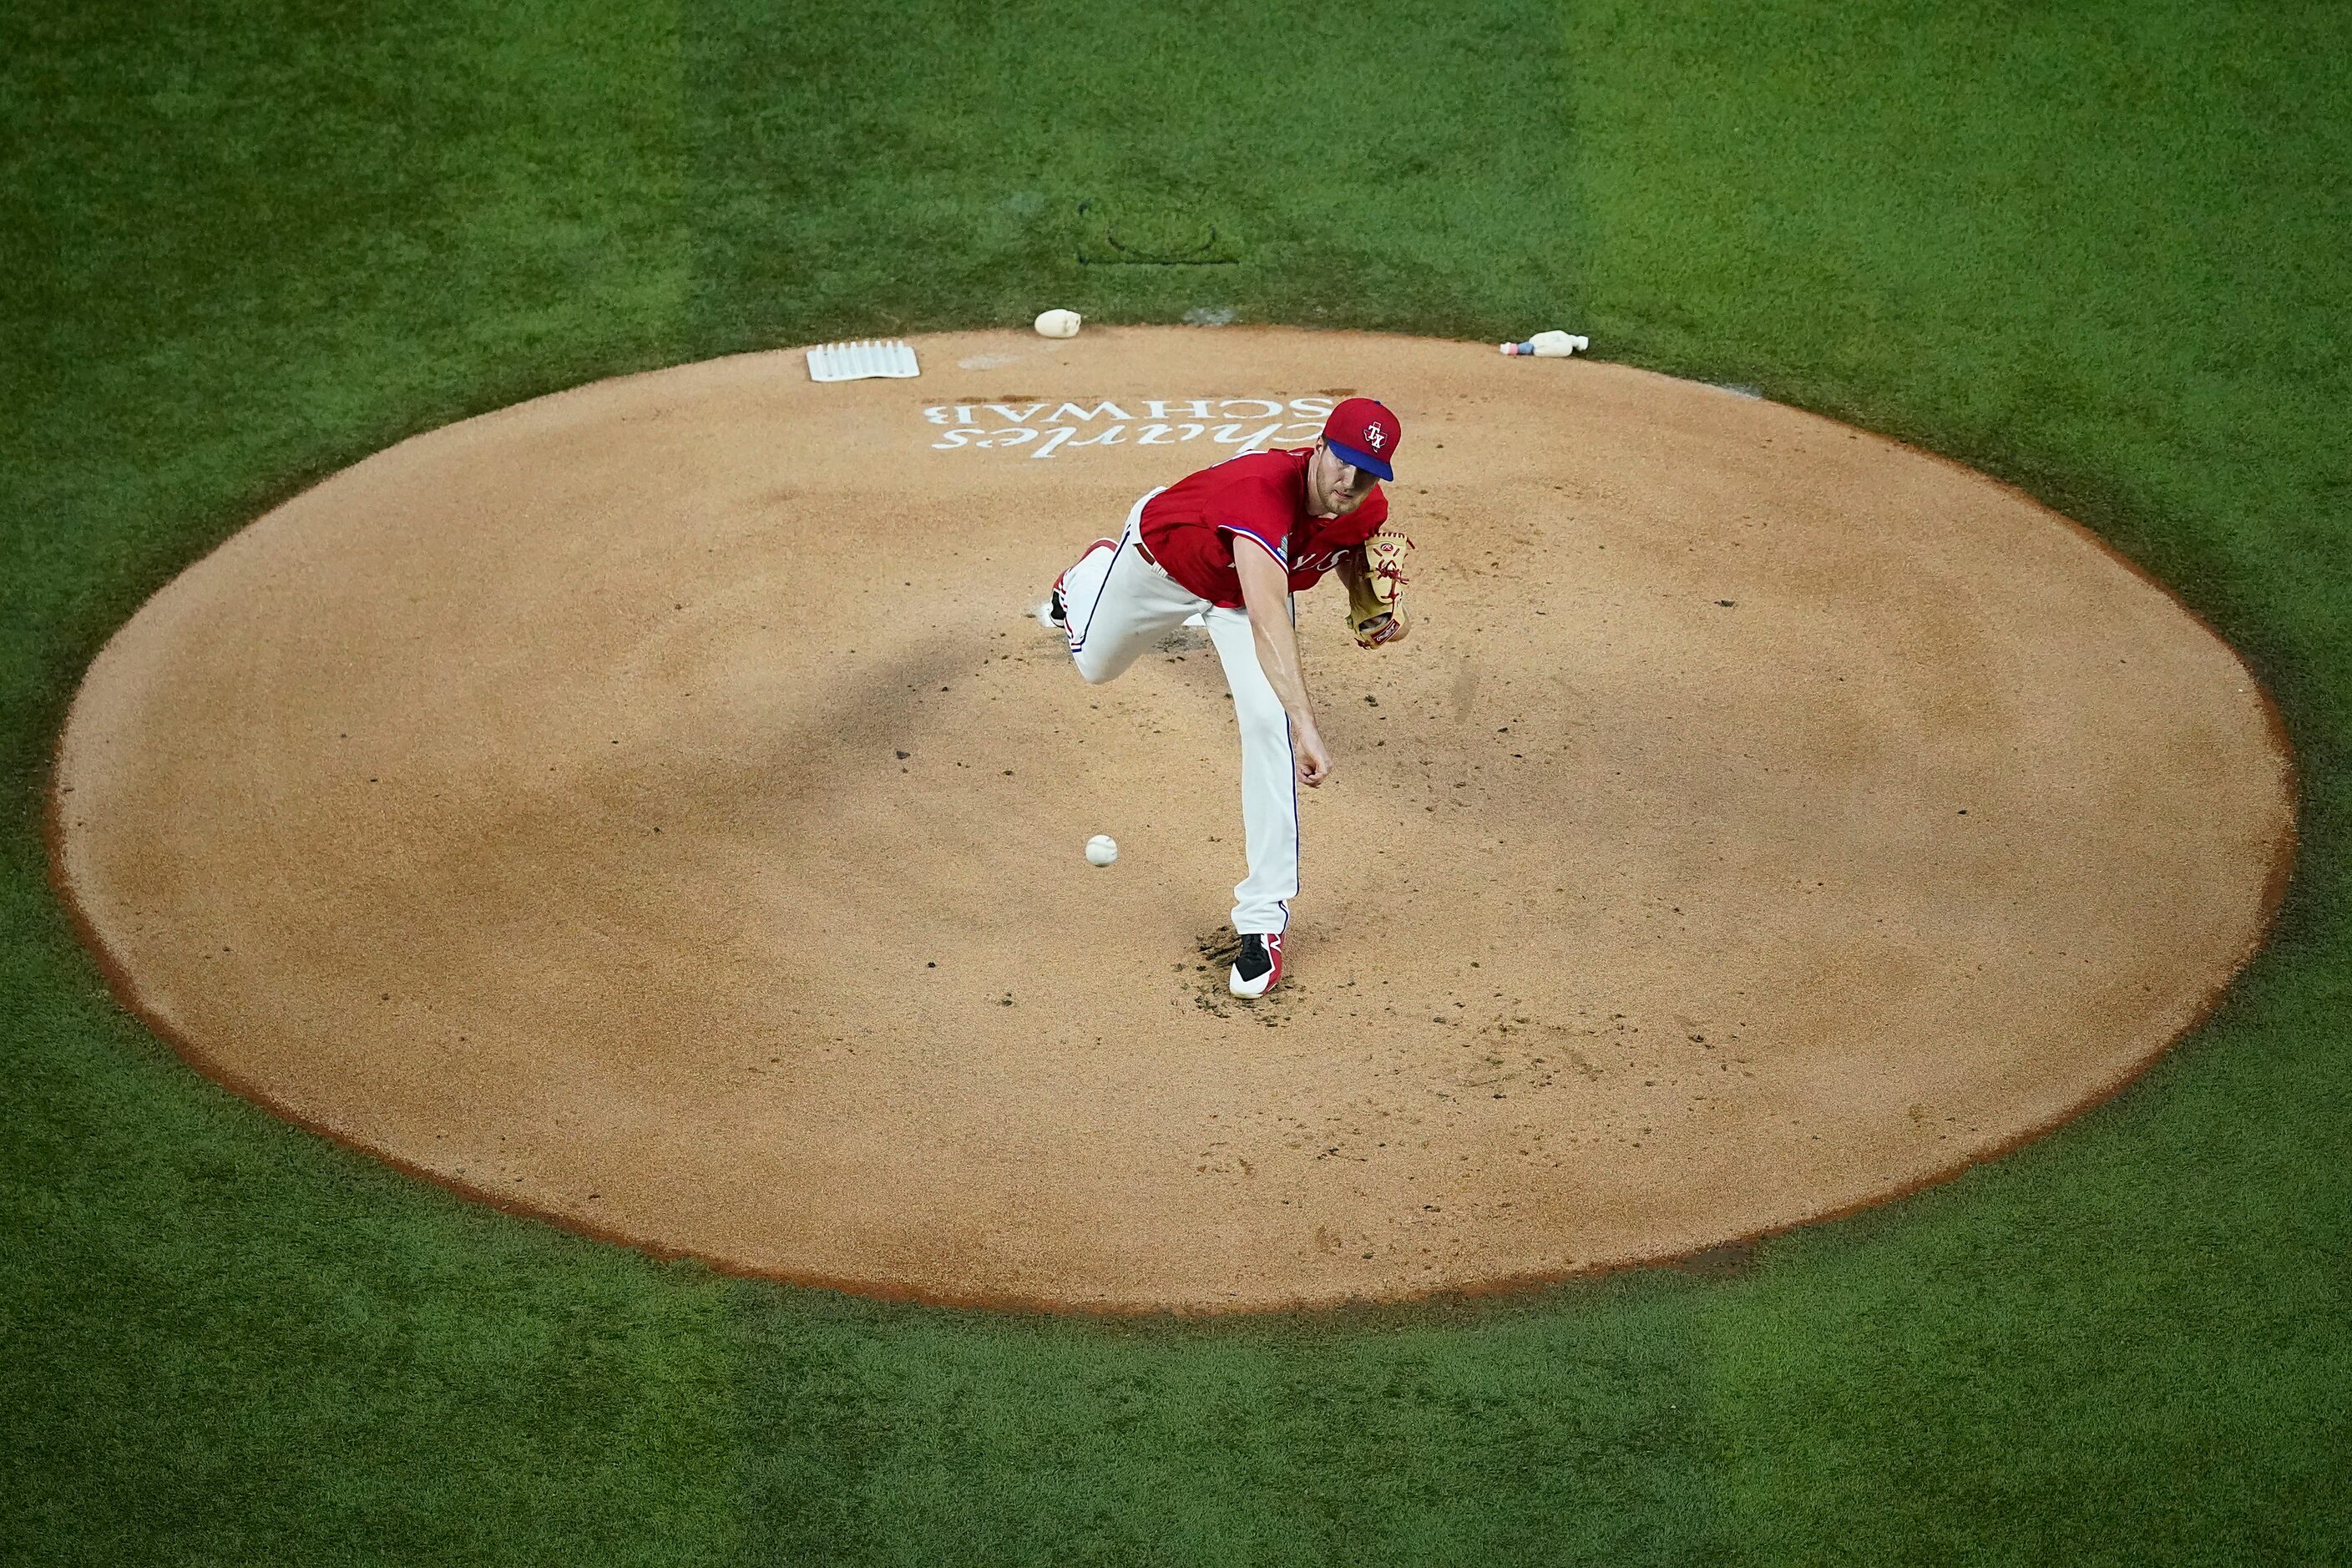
{"x":653,"y":806}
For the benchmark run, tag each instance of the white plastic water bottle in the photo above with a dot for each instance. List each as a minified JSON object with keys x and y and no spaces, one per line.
{"x":1548,"y":345}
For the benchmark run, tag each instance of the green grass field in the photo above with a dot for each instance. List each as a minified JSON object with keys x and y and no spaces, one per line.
{"x":2098,"y":249}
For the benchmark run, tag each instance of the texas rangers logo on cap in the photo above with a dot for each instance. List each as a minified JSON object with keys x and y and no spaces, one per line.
{"x":1364,"y":434}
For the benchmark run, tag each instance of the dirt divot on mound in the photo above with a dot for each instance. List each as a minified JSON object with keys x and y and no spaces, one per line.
{"x":653,"y":807}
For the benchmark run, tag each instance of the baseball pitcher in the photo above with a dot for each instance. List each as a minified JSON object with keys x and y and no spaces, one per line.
{"x":1228,"y":547}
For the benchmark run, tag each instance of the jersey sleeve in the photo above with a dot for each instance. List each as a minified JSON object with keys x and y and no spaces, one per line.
{"x":1261,"y":513}
{"x":1241,"y":532}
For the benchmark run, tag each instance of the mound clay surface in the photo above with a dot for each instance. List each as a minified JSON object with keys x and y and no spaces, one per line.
{"x":654,"y":808}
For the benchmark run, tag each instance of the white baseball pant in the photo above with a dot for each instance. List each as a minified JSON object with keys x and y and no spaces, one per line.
{"x":1119,"y":603}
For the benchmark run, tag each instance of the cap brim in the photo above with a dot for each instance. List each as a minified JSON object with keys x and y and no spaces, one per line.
{"x":1356,"y":459}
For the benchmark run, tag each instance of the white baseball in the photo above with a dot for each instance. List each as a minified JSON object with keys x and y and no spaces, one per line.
{"x":1102,"y":849}
{"x":1058,"y":324}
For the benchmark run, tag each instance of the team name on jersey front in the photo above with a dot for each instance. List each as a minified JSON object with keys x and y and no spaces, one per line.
{"x":1193,"y":526}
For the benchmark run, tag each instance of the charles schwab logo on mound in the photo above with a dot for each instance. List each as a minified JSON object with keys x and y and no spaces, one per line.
{"x":1047,"y":429}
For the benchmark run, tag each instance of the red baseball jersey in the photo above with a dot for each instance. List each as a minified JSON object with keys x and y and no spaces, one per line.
{"x":1262,"y":495}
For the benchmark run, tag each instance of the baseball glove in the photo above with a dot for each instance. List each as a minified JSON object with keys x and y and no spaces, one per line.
{"x":1375,"y":613}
